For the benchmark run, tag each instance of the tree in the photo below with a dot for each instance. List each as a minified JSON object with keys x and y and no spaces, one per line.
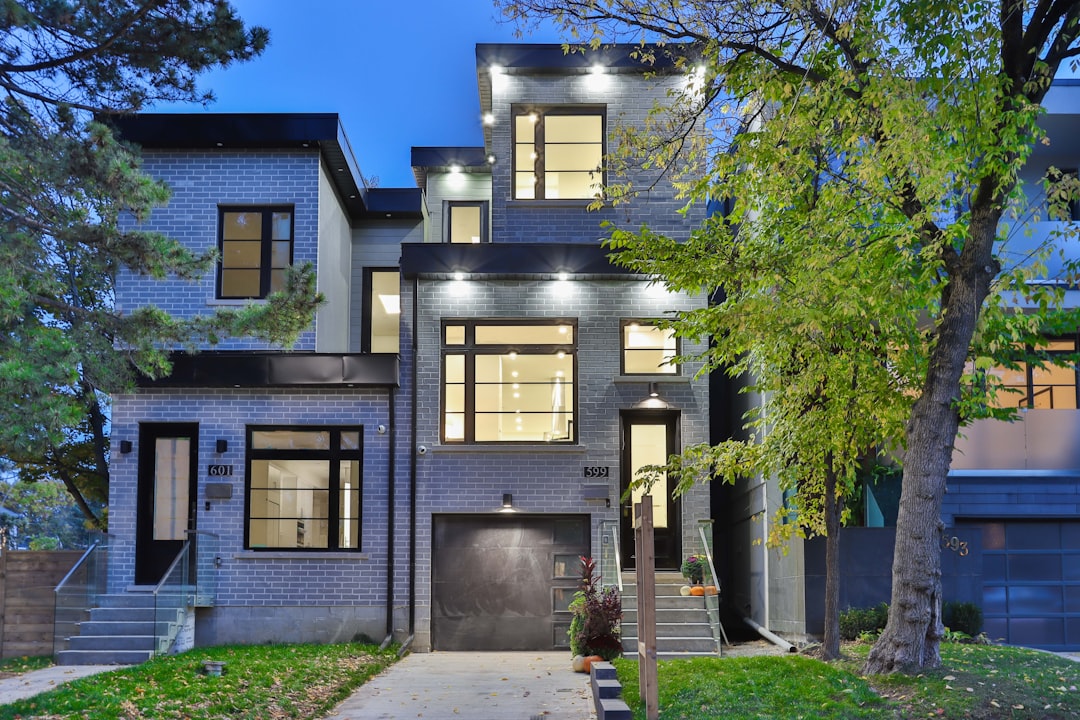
{"x":930,"y":107}
{"x":43,"y":509}
{"x":69,"y":191}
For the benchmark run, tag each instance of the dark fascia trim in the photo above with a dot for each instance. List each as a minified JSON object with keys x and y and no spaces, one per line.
{"x":445,"y":260}
{"x":261,"y":131}
{"x":425,"y":159}
{"x":229,"y":369}
{"x":394,"y":203}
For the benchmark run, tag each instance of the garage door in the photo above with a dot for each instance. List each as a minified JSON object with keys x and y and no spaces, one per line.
{"x":504,"y":582}
{"x":1031,"y":582}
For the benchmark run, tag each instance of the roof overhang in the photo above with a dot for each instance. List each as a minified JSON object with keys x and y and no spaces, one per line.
{"x":509,"y":260}
{"x":228,"y":369}
{"x":447,"y":159}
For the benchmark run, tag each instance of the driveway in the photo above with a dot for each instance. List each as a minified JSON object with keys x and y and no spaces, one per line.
{"x":467,"y":685}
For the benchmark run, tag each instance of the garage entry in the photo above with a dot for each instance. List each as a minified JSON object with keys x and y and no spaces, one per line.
{"x":504,"y":582}
{"x":1031,"y":582}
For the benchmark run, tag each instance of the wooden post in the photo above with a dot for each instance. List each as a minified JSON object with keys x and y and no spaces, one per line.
{"x":646,"y":602}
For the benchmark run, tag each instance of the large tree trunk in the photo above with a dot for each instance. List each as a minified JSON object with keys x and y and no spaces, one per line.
{"x":831,"y":649}
{"x":912,"y":636}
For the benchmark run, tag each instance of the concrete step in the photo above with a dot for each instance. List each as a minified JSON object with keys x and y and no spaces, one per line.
{"x":689,"y":646}
{"x":121,"y":614}
{"x":111,"y":642}
{"x":120,"y":627}
{"x":668,"y":602}
{"x":127,"y":600}
{"x":102,"y":657}
{"x":666,"y":630}
{"x":670,"y":615}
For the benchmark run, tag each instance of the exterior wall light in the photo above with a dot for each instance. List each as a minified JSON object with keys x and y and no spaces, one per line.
{"x":221,"y":446}
{"x":125,"y":447}
{"x":507,"y":503}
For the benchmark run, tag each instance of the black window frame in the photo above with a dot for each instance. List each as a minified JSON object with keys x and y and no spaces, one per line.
{"x":448,"y":208}
{"x":652,"y":322}
{"x":1027,"y":401}
{"x":335,"y":454}
{"x":367,"y":304}
{"x":266,"y":249}
{"x":543,"y":111}
{"x":471,"y":349}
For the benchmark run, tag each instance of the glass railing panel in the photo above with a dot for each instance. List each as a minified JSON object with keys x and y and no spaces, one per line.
{"x":712,"y":585}
{"x":206,"y":560}
{"x":79,"y":591}
{"x":610,"y":562}
{"x":172,"y":596}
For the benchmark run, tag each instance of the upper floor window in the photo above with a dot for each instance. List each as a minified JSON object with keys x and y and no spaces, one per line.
{"x":382,"y":310}
{"x":558,"y":152}
{"x":256,"y":245}
{"x":1049,"y":387}
{"x":1063,"y":194}
{"x":508,"y":381}
{"x":647,"y":349}
{"x":304,"y":487}
{"x":466,"y":222}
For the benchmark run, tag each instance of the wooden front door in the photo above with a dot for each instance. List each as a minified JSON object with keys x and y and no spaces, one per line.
{"x":168,"y":457}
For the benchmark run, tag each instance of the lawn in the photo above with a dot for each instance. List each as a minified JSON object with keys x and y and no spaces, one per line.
{"x":975,"y":681}
{"x":260,"y":682}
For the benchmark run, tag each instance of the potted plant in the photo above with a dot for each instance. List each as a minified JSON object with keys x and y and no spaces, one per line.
{"x":594,"y":627}
{"x":693,"y":569}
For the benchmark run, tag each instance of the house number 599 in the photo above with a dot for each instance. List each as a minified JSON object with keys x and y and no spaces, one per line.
{"x":597,"y":471}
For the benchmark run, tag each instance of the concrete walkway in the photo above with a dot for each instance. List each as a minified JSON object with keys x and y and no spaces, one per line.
{"x":473,"y":686}
{"x":39,"y":681}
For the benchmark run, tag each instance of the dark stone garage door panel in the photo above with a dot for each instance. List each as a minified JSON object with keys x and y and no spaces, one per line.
{"x":1031,"y":582}
{"x":501,"y":582}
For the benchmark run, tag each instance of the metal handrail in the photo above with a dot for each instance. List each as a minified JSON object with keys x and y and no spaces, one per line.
{"x":618,"y":556}
{"x":713,"y":612}
{"x":76,"y":566}
{"x":708,"y":553}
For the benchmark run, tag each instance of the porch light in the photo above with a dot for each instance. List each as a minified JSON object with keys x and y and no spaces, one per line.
{"x":654,"y":390}
{"x":597,"y":69}
{"x":496,"y":70}
{"x":507,"y":503}
{"x":125,"y":447}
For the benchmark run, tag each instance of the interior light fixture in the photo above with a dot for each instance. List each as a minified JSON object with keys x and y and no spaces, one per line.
{"x":391,"y":303}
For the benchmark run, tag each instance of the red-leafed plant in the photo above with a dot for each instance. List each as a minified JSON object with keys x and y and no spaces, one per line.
{"x":594,"y":628}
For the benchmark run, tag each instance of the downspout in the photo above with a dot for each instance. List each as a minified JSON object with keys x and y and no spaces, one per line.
{"x":412,"y":462}
{"x":390,"y":510}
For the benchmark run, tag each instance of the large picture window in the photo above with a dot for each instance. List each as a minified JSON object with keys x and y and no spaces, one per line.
{"x":303,"y":488}
{"x":382,"y":310}
{"x":507,"y":381}
{"x":558,"y":153}
{"x":256,"y":245}
{"x":647,"y":349}
{"x":1051,"y":387}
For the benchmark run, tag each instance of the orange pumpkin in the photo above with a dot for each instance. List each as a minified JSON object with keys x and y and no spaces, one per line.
{"x":697,"y":591}
{"x":710,"y":589}
{"x":589,"y":660}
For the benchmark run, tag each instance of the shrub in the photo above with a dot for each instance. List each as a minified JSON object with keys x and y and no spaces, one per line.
{"x":856,"y":622}
{"x":964,"y":617}
{"x":594,"y":627}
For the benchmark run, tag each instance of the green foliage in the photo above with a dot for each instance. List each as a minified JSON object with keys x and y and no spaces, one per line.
{"x":962,"y":617}
{"x":68,"y":194}
{"x":858,"y":623}
{"x":42,"y":509}
{"x":262,"y":681}
{"x":693,"y":569}
{"x":594,"y":626}
{"x":868,"y":271}
{"x":45,"y":542}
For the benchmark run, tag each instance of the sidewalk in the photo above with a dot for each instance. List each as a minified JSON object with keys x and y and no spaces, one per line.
{"x":39,"y":681}
{"x":460,"y":686}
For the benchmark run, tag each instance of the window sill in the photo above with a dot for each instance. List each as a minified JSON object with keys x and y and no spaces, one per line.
{"x":658,"y":378}
{"x":579,"y":203}
{"x":286,"y":555}
{"x":239,"y":302}
{"x":563,"y":448}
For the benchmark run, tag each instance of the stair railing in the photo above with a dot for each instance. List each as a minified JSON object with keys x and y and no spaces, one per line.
{"x":190,"y":581}
{"x":79,"y":591}
{"x":711,"y":580}
{"x":610,"y":556}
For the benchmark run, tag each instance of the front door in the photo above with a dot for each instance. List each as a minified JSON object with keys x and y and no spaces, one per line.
{"x":168,"y":457}
{"x":648,"y":438}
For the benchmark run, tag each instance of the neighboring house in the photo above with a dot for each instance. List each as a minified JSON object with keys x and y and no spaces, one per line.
{"x":461,"y":421}
{"x":477,"y":354}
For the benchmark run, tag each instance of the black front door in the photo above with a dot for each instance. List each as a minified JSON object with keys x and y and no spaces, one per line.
{"x":648,"y":438}
{"x":168,"y":457}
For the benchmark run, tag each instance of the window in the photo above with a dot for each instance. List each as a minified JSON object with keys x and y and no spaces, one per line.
{"x":303,"y":488}
{"x":647,"y":349}
{"x":1063,"y":194}
{"x":558,"y":153}
{"x":466,"y":222}
{"x":256,"y":246}
{"x":508,"y":381}
{"x":382,"y":310}
{"x":1051,"y":387}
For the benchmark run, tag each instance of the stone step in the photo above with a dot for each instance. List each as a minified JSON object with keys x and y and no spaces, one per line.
{"x":690,"y":646}
{"x":665,"y":630}
{"x":102,"y":657}
{"x":127,"y":600}
{"x":121,"y":614}
{"x":121,"y":627}
{"x":111,"y":642}
{"x":668,"y":602}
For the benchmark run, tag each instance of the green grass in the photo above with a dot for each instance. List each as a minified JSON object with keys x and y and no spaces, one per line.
{"x":19,"y":665}
{"x":975,"y":681}
{"x":261,"y":681}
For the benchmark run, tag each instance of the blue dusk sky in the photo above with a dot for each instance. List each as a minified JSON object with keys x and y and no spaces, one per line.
{"x":399,"y":73}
